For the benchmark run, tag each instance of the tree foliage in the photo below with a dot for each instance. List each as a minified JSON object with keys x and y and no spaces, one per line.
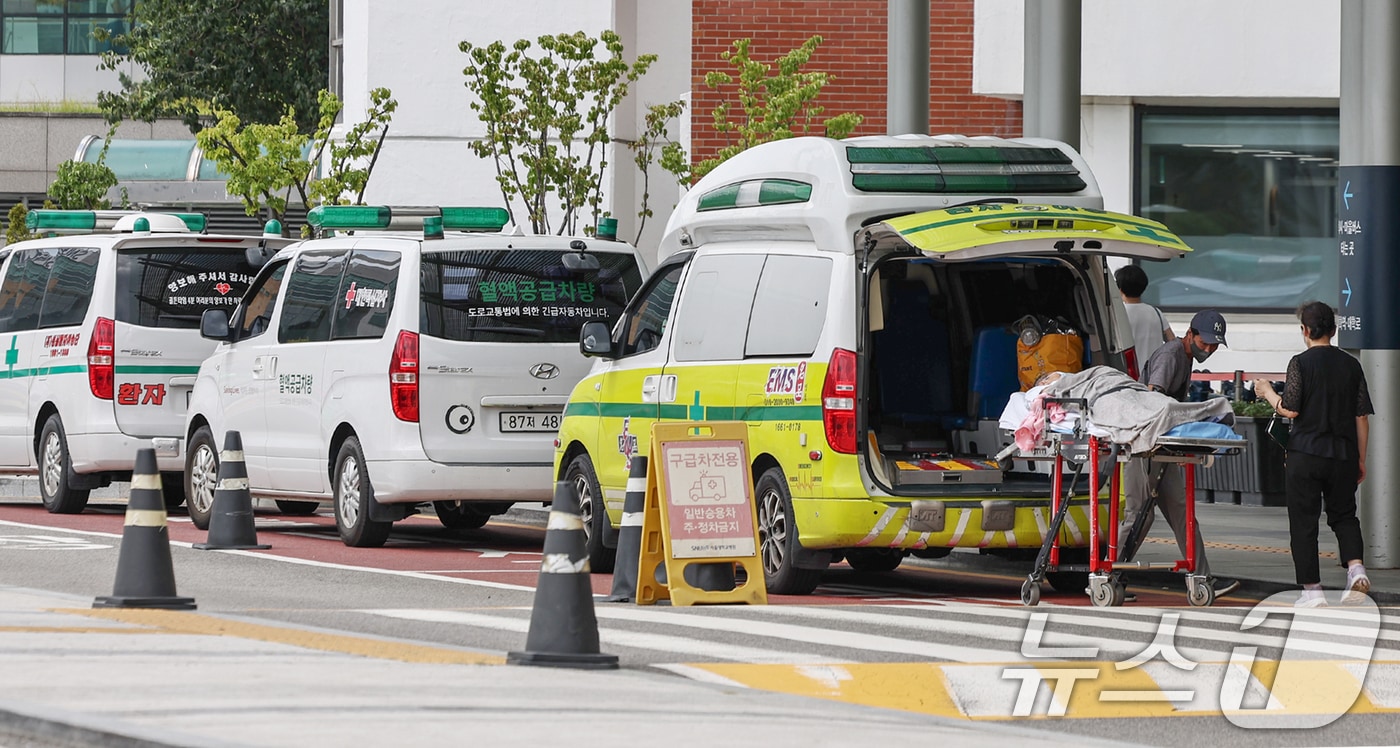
{"x":265,"y":163}
{"x":768,"y":105}
{"x":546,"y":108}
{"x":16,"y":230}
{"x":253,"y":58}
{"x":80,"y":185}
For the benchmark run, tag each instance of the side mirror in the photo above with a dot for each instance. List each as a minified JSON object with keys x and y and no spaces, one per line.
{"x":595,"y":339}
{"x":213,"y":324}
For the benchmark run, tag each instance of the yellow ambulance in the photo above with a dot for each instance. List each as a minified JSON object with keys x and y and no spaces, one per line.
{"x":855,"y":302}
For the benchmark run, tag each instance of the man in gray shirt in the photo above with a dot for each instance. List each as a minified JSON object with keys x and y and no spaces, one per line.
{"x":1168,"y":370}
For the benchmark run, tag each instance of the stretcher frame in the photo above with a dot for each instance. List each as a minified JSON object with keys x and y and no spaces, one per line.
{"x":1106,"y":587}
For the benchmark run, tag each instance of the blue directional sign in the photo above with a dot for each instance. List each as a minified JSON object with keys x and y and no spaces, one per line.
{"x":1368,"y":243}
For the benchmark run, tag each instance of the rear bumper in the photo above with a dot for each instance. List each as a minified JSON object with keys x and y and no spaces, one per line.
{"x":866,"y":523}
{"x":116,"y":452}
{"x":413,"y":481}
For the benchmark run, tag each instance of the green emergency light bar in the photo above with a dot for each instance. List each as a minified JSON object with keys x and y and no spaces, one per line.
{"x":380,"y":217}
{"x":753,"y":192}
{"x":96,"y":221}
{"x":989,"y":170}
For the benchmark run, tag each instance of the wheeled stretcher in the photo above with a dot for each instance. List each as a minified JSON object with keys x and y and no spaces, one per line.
{"x":1103,"y":459}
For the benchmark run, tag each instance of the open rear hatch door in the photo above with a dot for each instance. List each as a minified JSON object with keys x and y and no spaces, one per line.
{"x":975,"y":232}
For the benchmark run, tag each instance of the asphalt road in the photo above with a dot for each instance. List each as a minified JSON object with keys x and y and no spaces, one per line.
{"x":947,"y":628}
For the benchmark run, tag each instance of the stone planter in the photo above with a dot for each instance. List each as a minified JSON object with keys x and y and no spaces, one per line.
{"x":1253,"y":478}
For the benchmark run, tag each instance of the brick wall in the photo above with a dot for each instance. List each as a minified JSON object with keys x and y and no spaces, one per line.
{"x":853,"y":51}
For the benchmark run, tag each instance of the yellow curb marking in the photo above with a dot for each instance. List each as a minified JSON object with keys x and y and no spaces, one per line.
{"x":1310,"y":687}
{"x":178,"y":622}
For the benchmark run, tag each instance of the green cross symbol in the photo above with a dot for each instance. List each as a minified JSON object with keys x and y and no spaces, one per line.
{"x":697,"y":411}
{"x":12,"y":356}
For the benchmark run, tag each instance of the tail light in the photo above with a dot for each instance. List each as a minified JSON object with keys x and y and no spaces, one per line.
{"x":99,"y":358}
{"x":839,"y":402}
{"x":403,"y":377}
{"x":1131,"y":363}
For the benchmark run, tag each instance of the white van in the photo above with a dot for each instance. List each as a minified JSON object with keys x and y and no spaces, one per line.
{"x":101,"y":341}
{"x":855,"y":302}
{"x":382,"y":371}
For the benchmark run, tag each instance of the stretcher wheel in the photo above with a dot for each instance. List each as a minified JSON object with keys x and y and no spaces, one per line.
{"x":1120,"y":594}
{"x":1201,"y":594}
{"x":1030,"y":593}
{"x":1102,"y":595}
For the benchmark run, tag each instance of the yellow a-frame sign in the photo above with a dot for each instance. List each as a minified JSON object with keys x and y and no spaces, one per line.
{"x":699,"y":510}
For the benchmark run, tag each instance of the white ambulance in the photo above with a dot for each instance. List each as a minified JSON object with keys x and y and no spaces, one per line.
{"x":855,"y":303}
{"x":101,"y":340}
{"x":382,"y":370}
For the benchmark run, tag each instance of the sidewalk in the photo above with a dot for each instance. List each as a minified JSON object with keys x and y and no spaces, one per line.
{"x":1250,"y":543}
{"x":72,"y":676}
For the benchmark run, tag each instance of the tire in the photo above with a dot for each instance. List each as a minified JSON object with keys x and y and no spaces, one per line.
{"x":172,"y":489}
{"x":201,"y":476}
{"x":591,"y":509}
{"x":1070,"y":581}
{"x":56,"y":470}
{"x":298,"y":508}
{"x":874,"y":559}
{"x":460,"y":515}
{"x":777,"y":538}
{"x":353,"y":497}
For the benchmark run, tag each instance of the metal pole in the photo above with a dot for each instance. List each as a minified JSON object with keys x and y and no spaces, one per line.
{"x":1370,"y":110}
{"x":906,"y":87}
{"x":1031,"y":94}
{"x":1052,"y":77}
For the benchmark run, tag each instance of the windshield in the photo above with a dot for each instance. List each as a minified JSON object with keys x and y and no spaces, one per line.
{"x":514,"y":296}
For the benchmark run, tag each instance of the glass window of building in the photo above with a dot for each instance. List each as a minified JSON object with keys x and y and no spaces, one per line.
{"x":1254,"y":194}
{"x":60,"y":27}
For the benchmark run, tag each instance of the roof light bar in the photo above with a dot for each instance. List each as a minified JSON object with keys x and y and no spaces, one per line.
{"x":381,"y":217}
{"x":750,"y":193}
{"x":96,"y":221}
{"x":962,"y":169}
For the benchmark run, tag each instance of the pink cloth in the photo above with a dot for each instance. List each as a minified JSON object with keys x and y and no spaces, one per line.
{"x":1032,"y":427}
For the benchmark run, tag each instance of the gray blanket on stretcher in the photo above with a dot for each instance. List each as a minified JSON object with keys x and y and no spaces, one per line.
{"x":1130,"y":412}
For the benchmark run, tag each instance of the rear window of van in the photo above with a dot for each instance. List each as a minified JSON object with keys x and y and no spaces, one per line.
{"x":160,"y":287}
{"x":521,"y":296}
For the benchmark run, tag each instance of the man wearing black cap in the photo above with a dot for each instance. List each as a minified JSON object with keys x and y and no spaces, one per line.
{"x":1168,"y":370}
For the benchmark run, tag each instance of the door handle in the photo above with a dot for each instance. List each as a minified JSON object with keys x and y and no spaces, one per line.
{"x":651,"y":386}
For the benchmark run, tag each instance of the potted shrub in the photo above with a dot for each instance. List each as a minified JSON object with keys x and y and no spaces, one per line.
{"x":1254,"y":477}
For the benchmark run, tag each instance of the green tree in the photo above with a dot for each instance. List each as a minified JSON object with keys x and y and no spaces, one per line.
{"x":770,"y":106}
{"x":253,"y":58}
{"x":16,"y":230}
{"x":655,"y":146}
{"x":80,"y":185}
{"x":265,"y":163}
{"x":546,"y":111}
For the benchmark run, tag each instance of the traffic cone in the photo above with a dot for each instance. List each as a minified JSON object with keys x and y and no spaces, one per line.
{"x":145,"y":575}
{"x":629,"y":538}
{"x":231,"y":517}
{"x":563,"y":627}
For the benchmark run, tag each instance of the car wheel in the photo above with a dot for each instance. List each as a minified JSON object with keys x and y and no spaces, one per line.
{"x":777,"y":538}
{"x":55,"y":467}
{"x":172,"y":489}
{"x":461,"y":515}
{"x":201,"y":476}
{"x":353,"y":497}
{"x":591,"y":509}
{"x":874,"y":559}
{"x":298,"y":508}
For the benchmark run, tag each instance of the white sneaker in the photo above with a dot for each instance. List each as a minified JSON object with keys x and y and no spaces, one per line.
{"x":1358,"y":585}
{"x":1311,"y":599}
